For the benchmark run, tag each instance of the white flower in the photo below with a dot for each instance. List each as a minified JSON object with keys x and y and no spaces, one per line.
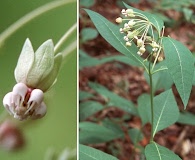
{"x":24,"y":102}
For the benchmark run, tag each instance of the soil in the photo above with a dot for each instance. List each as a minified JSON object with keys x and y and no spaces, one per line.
{"x":129,"y":82}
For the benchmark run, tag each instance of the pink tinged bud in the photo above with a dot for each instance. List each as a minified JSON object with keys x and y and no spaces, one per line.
{"x":11,"y":137}
{"x":39,"y":111}
{"x":7,"y":103}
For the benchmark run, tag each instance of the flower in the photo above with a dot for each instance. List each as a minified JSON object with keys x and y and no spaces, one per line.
{"x":35,"y":73}
{"x":24,"y":102}
{"x":137,"y":28}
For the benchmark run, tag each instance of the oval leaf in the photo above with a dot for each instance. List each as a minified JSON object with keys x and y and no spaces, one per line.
{"x":166,"y":111}
{"x":154,"y":151}
{"x":112,"y":35}
{"x":180,"y":65}
{"x":89,"y":153}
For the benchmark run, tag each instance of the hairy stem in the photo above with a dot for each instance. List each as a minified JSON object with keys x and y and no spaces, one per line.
{"x":30,"y":16}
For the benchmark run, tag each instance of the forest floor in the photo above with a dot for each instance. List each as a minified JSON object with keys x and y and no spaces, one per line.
{"x":177,"y":137}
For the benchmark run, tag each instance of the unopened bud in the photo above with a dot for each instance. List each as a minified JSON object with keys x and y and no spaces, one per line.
{"x":119,"y":20}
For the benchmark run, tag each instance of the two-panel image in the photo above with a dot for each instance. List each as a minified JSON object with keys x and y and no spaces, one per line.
{"x":97,"y":80}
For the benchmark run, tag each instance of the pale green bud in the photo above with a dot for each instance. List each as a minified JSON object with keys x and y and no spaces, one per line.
{"x":38,"y":69}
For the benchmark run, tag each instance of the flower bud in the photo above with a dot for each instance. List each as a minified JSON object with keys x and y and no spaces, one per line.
{"x":128,"y":44}
{"x":129,"y":11}
{"x":142,"y":49}
{"x":119,"y":20}
{"x":131,"y":23}
{"x":140,"y":42}
{"x":11,"y":137}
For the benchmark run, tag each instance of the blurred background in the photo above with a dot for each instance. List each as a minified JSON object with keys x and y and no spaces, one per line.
{"x":57,"y":130}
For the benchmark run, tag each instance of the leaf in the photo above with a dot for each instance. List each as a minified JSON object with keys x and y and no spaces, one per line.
{"x":43,"y":64}
{"x":88,"y":61}
{"x":113,"y":99}
{"x":86,"y":3}
{"x":159,"y":78}
{"x":144,"y":108}
{"x":166,"y":111}
{"x":89,"y":153}
{"x":186,"y":118}
{"x":88,"y":108}
{"x":92,"y":133}
{"x":154,"y":151}
{"x":154,"y":19}
{"x":88,"y":34}
{"x":25,"y":62}
{"x":136,"y":135}
{"x":84,"y":95}
{"x":112,"y":35}
{"x":180,"y":63}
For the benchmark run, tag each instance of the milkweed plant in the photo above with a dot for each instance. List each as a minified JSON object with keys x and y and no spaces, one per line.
{"x":140,"y":36}
{"x":35,"y":73}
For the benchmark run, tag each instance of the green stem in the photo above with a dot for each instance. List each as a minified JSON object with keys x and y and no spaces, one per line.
{"x":64,"y":37}
{"x":30,"y":16}
{"x":151,"y":98}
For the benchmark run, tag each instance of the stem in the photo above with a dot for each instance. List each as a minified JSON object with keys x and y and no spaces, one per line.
{"x":64,"y":37}
{"x":69,"y":49}
{"x":151,"y":98}
{"x":30,"y":16}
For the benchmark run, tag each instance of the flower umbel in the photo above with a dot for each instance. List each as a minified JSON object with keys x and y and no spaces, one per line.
{"x":136,"y":28}
{"x":35,"y":73}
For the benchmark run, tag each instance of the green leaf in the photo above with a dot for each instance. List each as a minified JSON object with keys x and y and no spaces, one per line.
{"x":43,"y":64}
{"x":180,"y":63}
{"x":186,"y":118}
{"x":166,"y":111}
{"x":47,"y":82}
{"x":112,"y":35}
{"x":92,"y":133}
{"x":187,"y":13}
{"x":84,"y":95}
{"x":88,"y":108}
{"x":136,"y":135}
{"x":154,"y":151}
{"x":113,"y":99}
{"x":154,"y":19}
{"x":88,"y":34}
{"x":160,"y":77}
{"x":86,"y":3}
{"x":88,"y":61}
{"x":25,"y":62}
{"x":89,"y":153}
{"x":144,"y":108}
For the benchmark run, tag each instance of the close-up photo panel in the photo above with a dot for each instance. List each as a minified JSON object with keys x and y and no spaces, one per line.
{"x":38,"y":89}
{"x":136,"y":80}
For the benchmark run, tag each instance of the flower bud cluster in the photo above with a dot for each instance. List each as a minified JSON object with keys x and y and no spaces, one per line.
{"x":136,"y":27}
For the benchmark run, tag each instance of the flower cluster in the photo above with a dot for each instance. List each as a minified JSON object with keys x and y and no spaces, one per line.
{"x":136,"y":28}
{"x":35,"y":73}
{"x":24,"y":102}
